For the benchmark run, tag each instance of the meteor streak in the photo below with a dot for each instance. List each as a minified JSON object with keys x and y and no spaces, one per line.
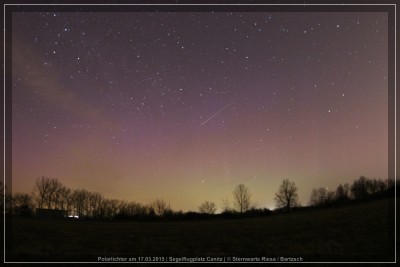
{"x":216,"y":113}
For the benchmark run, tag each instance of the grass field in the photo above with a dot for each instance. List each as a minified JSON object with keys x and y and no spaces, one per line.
{"x":360,"y":232}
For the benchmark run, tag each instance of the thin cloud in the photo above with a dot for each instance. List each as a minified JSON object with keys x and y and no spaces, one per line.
{"x":44,"y":82}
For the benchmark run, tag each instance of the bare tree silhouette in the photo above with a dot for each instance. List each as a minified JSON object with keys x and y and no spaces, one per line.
{"x":208,"y":207}
{"x":225,"y":205}
{"x":65,"y":198}
{"x":94,"y":204}
{"x":342,"y":192}
{"x":80,"y":197}
{"x":160,"y":207}
{"x":22,"y":204}
{"x":41,"y":190}
{"x":359,"y":188}
{"x":287,"y":197}
{"x":53,"y":194}
{"x":321,"y":196}
{"x":241,"y":196}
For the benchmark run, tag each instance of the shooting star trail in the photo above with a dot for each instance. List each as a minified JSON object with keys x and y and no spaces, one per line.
{"x":216,"y":113}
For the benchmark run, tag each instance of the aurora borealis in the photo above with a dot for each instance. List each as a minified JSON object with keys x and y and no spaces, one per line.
{"x":184,"y":106}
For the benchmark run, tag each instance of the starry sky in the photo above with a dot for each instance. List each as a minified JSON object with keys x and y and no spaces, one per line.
{"x":184,"y":106}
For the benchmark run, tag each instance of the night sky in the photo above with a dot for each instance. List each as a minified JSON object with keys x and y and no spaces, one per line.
{"x":184,"y":106}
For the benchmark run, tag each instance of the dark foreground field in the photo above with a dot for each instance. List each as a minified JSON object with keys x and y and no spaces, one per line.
{"x":360,"y":232}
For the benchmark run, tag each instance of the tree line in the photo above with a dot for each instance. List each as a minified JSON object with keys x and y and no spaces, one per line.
{"x":49,"y":193}
{"x":362,"y":188}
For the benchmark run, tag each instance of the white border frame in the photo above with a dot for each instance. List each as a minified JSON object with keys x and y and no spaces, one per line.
{"x":197,"y":4}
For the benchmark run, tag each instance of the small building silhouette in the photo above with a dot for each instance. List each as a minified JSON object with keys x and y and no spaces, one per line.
{"x":51,"y":214}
